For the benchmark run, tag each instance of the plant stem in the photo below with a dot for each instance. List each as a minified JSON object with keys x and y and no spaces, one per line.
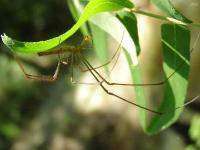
{"x":164,"y":18}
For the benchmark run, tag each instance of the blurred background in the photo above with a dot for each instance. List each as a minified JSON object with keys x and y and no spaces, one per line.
{"x":37,"y":115}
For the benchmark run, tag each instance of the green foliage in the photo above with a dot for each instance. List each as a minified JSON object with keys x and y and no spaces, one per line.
{"x":194,"y":133}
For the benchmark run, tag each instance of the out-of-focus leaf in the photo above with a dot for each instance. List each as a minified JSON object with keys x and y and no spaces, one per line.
{"x":94,"y":7}
{"x":190,"y":147}
{"x":76,"y":13}
{"x":139,"y":90}
{"x":167,"y":7}
{"x":99,"y":43}
{"x":129,"y":20}
{"x":194,"y":131}
{"x":110,"y":24}
{"x":10,"y":130}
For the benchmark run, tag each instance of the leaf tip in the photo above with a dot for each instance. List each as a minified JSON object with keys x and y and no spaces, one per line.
{"x":6,"y":40}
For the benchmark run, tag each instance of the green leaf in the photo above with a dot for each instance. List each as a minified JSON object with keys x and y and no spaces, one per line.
{"x":99,"y":42}
{"x":139,"y":90}
{"x":194,"y":130}
{"x":129,"y":20}
{"x":191,"y":147}
{"x":167,"y":7}
{"x":175,"y":40}
{"x":9,"y":129}
{"x":94,"y":7}
{"x":111,"y":24}
{"x":76,"y":11}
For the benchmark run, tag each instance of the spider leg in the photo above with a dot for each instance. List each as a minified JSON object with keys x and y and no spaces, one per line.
{"x":116,"y":54}
{"x":72,"y":74}
{"x":49,"y":78}
{"x":113,"y":94}
{"x":144,"y":84}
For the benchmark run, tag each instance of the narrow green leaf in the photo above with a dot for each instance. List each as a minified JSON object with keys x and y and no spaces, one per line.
{"x":129,"y":20}
{"x":76,"y":10}
{"x":167,"y":7}
{"x":99,"y":42}
{"x":94,"y":7}
{"x":139,"y":90}
{"x":194,"y":130}
{"x":110,"y":24}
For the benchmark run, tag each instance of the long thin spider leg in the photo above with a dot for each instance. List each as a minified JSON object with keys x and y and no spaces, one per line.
{"x":113,"y":94}
{"x":149,"y":84}
{"x":61,"y":59}
{"x":38,"y":77}
{"x":195,"y":42}
{"x":117,"y":57}
{"x":113,"y":83}
{"x":72,"y":73}
{"x":185,"y":104}
{"x":167,"y":111}
{"x":72,"y":69}
{"x":125,"y":84}
{"x":137,"y":84}
{"x":72,"y":48}
{"x":85,"y":41}
{"x":116,"y":54}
